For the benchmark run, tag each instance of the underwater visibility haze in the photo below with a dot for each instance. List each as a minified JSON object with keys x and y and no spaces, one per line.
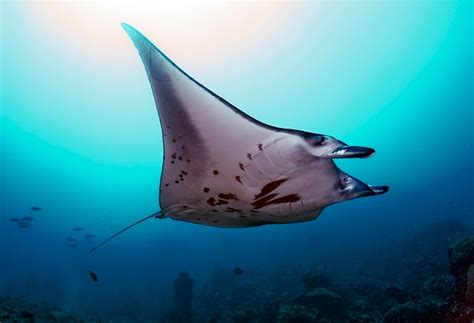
{"x":84,"y":155}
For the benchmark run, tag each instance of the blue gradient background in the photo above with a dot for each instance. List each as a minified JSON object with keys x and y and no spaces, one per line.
{"x":80,"y":136}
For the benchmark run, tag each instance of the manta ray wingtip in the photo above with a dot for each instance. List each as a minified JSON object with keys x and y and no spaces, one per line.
{"x":127,"y":27}
{"x":131,"y":31}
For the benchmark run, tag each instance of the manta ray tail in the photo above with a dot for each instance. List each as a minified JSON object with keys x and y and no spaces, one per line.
{"x":158,"y":214}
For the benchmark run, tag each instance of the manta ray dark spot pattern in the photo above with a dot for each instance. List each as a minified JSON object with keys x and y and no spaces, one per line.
{"x":215,"y":172}
{"x":206,"y":189}
{"x":211,"y":201}
{"x":242,"y":167}
{"x":229,"y":196}
{"x":220,"y":202}
{"x":270,"y":187}
{"x":285,"y":199}
{"x":233,"y":209}
{"x":237,"y":178}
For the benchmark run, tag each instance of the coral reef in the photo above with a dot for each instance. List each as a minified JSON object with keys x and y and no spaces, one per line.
{"x":442,"y":294}
{"x":16,"y":310}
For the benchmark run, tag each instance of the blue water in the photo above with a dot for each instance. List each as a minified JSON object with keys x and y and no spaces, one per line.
{"x":80,"y":138}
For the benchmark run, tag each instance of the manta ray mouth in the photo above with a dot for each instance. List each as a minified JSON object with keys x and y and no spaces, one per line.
{"x":350,"y":152}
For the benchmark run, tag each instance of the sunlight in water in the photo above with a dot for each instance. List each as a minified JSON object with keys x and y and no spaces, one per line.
{"x":190,"y":31}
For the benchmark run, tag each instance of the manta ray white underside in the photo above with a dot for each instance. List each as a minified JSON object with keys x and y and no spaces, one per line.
{"x":224,"y":168}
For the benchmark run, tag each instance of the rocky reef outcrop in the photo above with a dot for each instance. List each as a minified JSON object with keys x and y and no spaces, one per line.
{"x":181,"y":311}
{"x":461,"y":259}
{"x":441,"y":292}
{"x":17,"y":310}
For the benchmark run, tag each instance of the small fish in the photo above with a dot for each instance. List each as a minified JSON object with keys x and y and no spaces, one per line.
{"x":36,"y":208}
{"x":72,"y":245}
{"x":238,"y":271}
{"x":93,"y":276}
{"x":14,"y":219}
{"x":27,"y":218}
{"x":23,"y":225}
{"x":89,"y":236}
{"x":71,"y":239}
{"x":78,"y":229}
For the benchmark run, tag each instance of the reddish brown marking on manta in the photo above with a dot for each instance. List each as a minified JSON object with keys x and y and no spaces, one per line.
{"x":284,"y":199}
{"x":215,"y":172}
{"x":233,"y":209}
{"x":249,"y":156}
{"x":180,"y":158}
{"x":242,"y":166}
{"x":172,"y":162}
{"x":260,"y":147}
{"x":174,"y":140}
{"x":270,"y":187}
{"x":229,"y":196}
{"x":206,"y":189}
{"x":237,"y":178}
{"x":184,"y":173}
{"x":219,"y":202}
{"x":173,"y":156}
{"x":211,"y":201}
{"x":176,"y":181}
{"x":263,"y":200}
{"x":167,"y":184}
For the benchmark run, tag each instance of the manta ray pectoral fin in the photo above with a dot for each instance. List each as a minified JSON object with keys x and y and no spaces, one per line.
{"x":350,"y":152}
{"x":159,"y":214}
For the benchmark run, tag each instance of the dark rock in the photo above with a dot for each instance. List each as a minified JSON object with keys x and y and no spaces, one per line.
{"x":398,"y":294}
{"x":296,"y":314}
{"x":326,"y":302}
{"x":182,"y":297}
{"x":17,"y":310}
{"x":408,"y":312}
{"x":461,"y":257}
{"x":313,"y":280}
{"x":424,"y":311}
{"x":438,"y":287}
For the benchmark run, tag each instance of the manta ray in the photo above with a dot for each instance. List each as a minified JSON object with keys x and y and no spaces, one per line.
{"x":224,"y":168}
